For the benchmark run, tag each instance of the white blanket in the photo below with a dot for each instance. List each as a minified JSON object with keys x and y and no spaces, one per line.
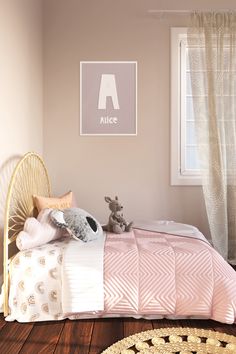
{"x":82,"y":276}
{"x":170,"y":227}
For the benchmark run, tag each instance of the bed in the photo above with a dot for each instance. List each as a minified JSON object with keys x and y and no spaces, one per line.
{"x":151,"y":272}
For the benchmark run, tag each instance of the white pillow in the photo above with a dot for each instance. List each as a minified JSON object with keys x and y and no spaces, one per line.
{"x":38,"y":231}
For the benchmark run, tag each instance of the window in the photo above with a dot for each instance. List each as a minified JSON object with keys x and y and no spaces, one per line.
{"x":184,"y":159}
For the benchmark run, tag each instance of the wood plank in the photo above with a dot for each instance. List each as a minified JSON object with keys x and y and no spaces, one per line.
{"x":165,"y":323}
{"x":205,"y":324}
{"x":43,"y":338}
{"x":132,"y":326}
{"x":192,"y":323}
{"x":75,"y":337}
{"x":226,"y":328}
{"x":184,"y":323}
{"x":2,"y":321}
{"x":13,"y":335}
{"x":84,"y":336}
{"x":105,"y":333}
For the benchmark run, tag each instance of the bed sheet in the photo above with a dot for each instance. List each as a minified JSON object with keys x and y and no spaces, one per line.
{"x":168,"y":276}
{"x":35,"y":283}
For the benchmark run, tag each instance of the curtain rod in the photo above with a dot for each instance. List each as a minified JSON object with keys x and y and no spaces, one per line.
{"x":153,"y":11}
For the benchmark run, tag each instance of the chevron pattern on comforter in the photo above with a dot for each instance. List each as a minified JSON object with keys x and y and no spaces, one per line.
{"x":149,"y":273}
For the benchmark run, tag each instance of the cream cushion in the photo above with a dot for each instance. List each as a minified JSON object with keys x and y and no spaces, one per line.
{"x":63,"y":202}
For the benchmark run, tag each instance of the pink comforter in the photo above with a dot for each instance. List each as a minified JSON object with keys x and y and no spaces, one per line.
{"x":149,"y":273}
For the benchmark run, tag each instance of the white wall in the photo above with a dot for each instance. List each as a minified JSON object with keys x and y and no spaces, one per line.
{"x":21,"y":99}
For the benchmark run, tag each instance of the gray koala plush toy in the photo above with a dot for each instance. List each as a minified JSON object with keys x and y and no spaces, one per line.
{"x":78,"y":222}
{"x":116,"y":222}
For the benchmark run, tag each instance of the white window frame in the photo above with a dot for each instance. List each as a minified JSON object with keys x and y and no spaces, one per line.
{"x":179,"y":175}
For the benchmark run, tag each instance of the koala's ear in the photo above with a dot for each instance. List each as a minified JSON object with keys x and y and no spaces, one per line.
{"x":108,"y":199}
{"x":57,"y":217}
{"x":116,"y":198}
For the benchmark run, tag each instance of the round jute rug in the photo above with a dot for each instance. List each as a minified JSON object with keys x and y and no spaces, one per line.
{"x":175,"y":340}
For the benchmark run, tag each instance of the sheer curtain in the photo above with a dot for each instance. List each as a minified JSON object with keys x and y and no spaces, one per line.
{"x":212,"y":64}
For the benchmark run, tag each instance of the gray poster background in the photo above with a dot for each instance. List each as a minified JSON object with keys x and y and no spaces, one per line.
{"x":90,"y":115}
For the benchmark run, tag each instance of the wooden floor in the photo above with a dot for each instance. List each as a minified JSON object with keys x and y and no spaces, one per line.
{"x":84,"y":336}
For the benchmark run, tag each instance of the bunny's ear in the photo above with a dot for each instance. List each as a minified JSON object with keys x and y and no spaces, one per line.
{"x":116,"y":198}
{"x":108,"y":199}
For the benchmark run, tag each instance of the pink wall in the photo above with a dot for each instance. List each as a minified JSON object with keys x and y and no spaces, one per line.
{"x":21,"y":72}
{"x":137,"y":169}
{"x":21,"y":84}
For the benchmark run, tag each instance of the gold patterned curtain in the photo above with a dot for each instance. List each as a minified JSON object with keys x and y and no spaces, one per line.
{"x":212,"y":64}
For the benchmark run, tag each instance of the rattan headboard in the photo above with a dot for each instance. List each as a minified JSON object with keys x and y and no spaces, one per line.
{"x":29,"y":177}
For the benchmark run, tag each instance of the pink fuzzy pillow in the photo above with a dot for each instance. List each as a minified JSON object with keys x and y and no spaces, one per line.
{"x":38,"y":231}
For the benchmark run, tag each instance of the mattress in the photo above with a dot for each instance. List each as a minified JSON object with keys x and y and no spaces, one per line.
{"x":146,"y":274}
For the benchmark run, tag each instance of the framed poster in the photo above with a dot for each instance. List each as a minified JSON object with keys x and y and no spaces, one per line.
{"x":108,"y":98}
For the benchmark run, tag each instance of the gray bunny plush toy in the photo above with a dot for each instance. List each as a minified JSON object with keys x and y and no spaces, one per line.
{"x":116,"y":222}
{"x":78,"y":222}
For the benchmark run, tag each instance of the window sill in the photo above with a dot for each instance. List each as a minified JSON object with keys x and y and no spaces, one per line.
{"x":180,"y":180}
